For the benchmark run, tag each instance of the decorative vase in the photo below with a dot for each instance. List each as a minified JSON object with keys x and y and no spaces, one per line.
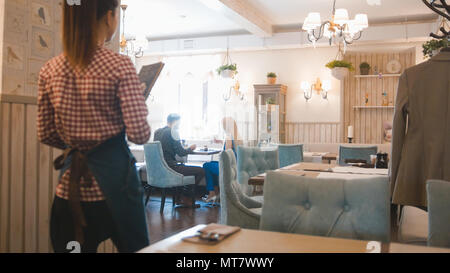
{"x":227,"y":74}
{"x":339,"y":72}
{"x":271,"y":80}
{"x":364,"y":70}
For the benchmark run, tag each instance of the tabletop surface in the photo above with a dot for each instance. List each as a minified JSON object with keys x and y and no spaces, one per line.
{"x":322,"y":170}
{"x":210,"y":151}
{"x":256,"y":241}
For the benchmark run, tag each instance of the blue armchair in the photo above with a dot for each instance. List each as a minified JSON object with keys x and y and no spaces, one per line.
{"x":290,"y":154}
{"x":236,"y":208}
{"x":354,"y":209}
{"x":362,"y":153}
{"x":438,"y":213}
{"x":253,"y":161}
{"x":160,"y":175}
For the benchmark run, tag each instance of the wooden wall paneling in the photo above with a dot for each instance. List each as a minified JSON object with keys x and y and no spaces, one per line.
{"x":372,"y":101}
{"x":352,"y":92}
{"x":295,"y":129}
{"x":380,"y":90}
{"x":356,"y":93}
{"x":363,"y":91}
{"x":17,"y":178}
{"x":385,"y":87}
{"x":313,"y":132}
{"x":31,"y":180}
{"x":5,"y":162}
{"x":368,"y":123}
{"x":45,"y":197}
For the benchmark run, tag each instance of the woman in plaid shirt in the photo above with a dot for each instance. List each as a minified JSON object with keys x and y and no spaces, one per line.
{"x":89,"y":97}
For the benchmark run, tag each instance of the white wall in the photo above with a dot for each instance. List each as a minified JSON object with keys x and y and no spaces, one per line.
{"x":294,"y":66}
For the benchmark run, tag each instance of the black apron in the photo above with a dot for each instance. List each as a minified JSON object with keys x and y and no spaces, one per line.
{"x":113,"y":166}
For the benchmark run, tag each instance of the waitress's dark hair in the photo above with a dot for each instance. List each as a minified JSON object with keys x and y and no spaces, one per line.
{"x":80,"y":24}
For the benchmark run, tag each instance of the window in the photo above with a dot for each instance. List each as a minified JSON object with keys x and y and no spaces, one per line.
{"x":188,"y":86}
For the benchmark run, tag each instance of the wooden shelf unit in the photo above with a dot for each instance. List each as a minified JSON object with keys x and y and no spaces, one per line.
{"x":377,"y":76}
{"x":373,"y":107}
{"x":277,"y":92}
{"x":368,"y":121}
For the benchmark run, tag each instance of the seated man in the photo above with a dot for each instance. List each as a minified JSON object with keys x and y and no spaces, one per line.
{"x":171,"y":146}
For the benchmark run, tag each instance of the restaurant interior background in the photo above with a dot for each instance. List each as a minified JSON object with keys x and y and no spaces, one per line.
{"x":193,"y":39}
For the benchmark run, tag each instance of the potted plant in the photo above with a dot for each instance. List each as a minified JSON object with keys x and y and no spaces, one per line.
{"x":433,"y":47}
{"x":340,"y":69}
{"x":227,"y":70}
{"x":364,"y":68}
{"x":271,"y":78}
{"x":270,"y":101}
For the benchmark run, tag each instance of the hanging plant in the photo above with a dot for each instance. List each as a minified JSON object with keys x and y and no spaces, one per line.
{"x":342,"y":64}
{"x":432,"y":47}
{"x":340,"y":69}
{"x":227,"y":70}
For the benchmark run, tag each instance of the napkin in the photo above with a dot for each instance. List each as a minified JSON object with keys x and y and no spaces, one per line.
{"x":212,"y":234}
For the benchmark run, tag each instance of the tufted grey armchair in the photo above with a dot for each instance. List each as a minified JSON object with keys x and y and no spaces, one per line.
{"x":354,"y":209}
{"x":251,"y":162}
{"x":290,"y":154}
{"x":236,"y":208}
{"x":160,"y":175}
{"x":351,"y":152}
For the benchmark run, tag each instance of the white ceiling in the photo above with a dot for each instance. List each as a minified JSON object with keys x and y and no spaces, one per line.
{"x":284,"y":12}
{"x":163,"y":19}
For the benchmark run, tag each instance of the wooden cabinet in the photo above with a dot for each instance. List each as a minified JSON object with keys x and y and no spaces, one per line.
{"x":270,"y":98}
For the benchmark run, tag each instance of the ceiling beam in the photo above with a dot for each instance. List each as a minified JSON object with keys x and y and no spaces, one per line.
{"x":243,"y":14}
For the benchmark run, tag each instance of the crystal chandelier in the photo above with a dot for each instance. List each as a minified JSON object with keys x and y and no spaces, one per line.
{"x":340,"y":26}
{"x":128,"y":44}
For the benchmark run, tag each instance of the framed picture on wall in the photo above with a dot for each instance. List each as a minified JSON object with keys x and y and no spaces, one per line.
{"x":41,"y":15}
{"x":42,"y":43}
{"x":15,"y":56}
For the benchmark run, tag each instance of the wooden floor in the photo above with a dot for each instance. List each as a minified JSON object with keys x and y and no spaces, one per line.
{"x":175,"y":220}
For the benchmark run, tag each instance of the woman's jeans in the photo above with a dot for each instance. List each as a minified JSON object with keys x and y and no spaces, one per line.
{"x":211,"y":174}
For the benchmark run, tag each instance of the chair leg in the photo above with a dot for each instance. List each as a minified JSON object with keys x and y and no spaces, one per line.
{"x":148,"y":193}
{"x":163,"y":200}
{"x":174,"y":196}
{"x":193,"y":196}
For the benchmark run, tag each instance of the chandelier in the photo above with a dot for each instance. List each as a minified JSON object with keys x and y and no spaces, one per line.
{"x":443,"y":9}
{"x":128,"y":44}
{"x":340,"y":26}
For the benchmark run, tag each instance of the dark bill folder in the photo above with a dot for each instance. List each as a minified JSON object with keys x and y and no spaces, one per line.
{"x":149,"y":74}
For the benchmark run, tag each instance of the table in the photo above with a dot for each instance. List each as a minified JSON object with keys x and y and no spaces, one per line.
{"x":329,"y":157}
{"x":210,"y":151}
{"x":319,"y":157}
{"x":254,"y":241}
{"x":194,"y":160}
{"x":322,"y":170}
{"x":257,"y":241}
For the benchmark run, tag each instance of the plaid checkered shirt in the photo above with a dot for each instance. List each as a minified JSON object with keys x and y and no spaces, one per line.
{"x":82,"y":109}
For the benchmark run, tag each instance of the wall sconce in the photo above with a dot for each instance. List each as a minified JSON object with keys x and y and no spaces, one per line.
{"x":235,"y":89}
{"x":318,"y":86}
